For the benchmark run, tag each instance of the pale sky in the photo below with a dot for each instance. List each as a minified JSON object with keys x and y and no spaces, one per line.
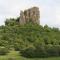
{"x":49,"y":10}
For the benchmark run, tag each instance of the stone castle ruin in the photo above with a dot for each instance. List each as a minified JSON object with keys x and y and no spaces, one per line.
{"x":30,"y":15}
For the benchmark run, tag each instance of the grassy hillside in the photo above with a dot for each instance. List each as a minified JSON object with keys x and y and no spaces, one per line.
{"x":31,"y":40}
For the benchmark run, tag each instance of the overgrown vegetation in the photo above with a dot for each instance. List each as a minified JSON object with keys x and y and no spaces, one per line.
{"x":3,"y":50}
{"x":32,"y":40}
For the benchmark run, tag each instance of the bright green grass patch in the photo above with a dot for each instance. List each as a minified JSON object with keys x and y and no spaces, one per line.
{"x":14,"y":55}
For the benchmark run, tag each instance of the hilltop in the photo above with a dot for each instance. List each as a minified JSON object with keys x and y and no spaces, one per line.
{"x":31,"y":39}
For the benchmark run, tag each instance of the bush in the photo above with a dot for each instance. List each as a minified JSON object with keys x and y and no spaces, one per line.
{"x":28,"y":52}
{"x":42,"y":51}
{"x":34,"y":52}
{"x":3,"y":51}
{"x":58,"y":49}
{"x":52,"y":50}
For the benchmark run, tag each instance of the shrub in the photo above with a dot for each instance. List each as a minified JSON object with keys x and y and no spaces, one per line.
{"x":40,"y":51}
{"x":58,"y":49}
{"x":3,"y":51}
{"x":52,"y":50}
{"x":17,"y":47}
{"x":28,"y":52}
{"x":34,"y":52}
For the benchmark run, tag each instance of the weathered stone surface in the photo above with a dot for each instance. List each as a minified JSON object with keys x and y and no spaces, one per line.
{"x":30,"y":15}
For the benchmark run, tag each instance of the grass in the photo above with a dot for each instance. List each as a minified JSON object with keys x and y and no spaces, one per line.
{"x":14,"y":55}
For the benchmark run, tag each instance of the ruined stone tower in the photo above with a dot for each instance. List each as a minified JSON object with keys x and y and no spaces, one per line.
{"x":31,"y":15}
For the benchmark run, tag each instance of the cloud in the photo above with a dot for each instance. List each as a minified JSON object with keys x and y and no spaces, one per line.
{"x":49,"y":10}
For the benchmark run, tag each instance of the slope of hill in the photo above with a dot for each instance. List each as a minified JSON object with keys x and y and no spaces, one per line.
{"x":32,"y":40}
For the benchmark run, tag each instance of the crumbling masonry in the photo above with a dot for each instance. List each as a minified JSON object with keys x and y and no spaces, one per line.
{"x":31,"y":15}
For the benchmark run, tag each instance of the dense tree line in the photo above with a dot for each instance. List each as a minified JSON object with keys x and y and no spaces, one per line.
{"x":32,"y":40}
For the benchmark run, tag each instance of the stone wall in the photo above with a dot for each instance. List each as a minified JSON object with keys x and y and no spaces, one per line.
{"x":30,"y":15}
